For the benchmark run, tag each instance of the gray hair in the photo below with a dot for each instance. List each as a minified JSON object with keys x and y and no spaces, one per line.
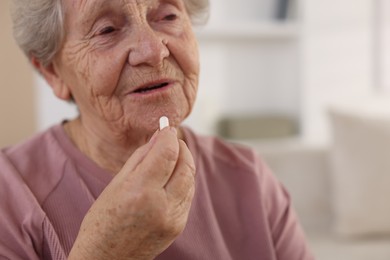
{"x":38,"y":25}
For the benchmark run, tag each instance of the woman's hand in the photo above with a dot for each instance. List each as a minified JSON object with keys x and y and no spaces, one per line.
{"x":146,"y":205}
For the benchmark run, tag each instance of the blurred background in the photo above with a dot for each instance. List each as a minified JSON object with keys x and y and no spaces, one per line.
{"x":303,"y":82}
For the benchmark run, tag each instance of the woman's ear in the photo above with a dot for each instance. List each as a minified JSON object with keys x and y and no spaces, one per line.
{"x":59,"y":87}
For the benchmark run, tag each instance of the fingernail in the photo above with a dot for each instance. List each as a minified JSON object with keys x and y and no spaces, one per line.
{"x":153,"y":136}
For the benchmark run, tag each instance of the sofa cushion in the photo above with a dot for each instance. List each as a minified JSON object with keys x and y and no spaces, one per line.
{"x":360,"y":162}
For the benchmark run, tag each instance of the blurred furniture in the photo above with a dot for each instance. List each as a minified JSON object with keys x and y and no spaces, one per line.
{"x":361,"y":168}
{"x":264,"y":126}
{"x":331,"y":185}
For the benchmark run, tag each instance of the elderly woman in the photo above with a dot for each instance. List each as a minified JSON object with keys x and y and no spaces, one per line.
{"x":111,"y":185}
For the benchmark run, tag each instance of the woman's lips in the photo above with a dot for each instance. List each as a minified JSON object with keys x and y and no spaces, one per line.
{"x":152,"y":88}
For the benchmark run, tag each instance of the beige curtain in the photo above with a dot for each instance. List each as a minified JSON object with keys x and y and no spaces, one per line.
{"x":16,"y":86}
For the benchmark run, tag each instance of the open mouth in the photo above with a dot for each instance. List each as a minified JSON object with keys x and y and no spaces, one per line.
{"x":151,"y":88}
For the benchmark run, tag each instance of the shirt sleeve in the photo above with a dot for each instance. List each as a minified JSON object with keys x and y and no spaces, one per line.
{"x":20,"y":223}
{"x":287,"y":234}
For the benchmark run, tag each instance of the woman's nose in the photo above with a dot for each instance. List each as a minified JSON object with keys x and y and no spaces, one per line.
{"x":148,"y":49}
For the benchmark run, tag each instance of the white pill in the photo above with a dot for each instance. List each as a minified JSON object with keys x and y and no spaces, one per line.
{"x":164,"y":122}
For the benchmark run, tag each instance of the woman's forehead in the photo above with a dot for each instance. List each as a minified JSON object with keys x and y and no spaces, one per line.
{"x":87,"y":9}
{"x":82,"y":11}
{"x":98,"y":4}
{"x":87,"y":4}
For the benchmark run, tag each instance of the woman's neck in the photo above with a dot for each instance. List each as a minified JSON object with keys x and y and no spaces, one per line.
{"x":103,"y":149}
{"x":109,"y":150}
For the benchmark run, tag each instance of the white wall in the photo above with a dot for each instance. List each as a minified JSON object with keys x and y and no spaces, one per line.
{"x":382,"y":26}
{"x":249,"y":63}
{"x":49,"y":109}
{"x":337,"y":59}
{"x":232,"y":11}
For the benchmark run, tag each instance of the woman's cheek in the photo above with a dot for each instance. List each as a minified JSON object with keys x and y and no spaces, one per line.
{"x":106,"y":71}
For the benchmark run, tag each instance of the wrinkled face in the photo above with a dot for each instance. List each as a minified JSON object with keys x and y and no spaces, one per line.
{"x":128,"y":62}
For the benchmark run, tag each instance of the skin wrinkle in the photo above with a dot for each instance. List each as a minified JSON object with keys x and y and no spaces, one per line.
{"x":92,"y":8}
{"x":101,"y":102}
{"x":74,"y":58}
{"x":139,"y":6}
{"x":71,"y":55}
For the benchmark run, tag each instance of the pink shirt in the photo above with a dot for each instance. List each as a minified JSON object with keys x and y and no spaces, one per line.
{"x":240,"y":211}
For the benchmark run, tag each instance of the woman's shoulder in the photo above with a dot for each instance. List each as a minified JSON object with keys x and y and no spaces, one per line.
{"x":23,"y":189}
{"x":37,"y":147}
{"x":35,"y":162}
{"x":21,"y":214}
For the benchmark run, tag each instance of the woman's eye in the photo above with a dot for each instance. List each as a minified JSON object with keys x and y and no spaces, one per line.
{"x":170,"y":17}
{"x":106,"y":30}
